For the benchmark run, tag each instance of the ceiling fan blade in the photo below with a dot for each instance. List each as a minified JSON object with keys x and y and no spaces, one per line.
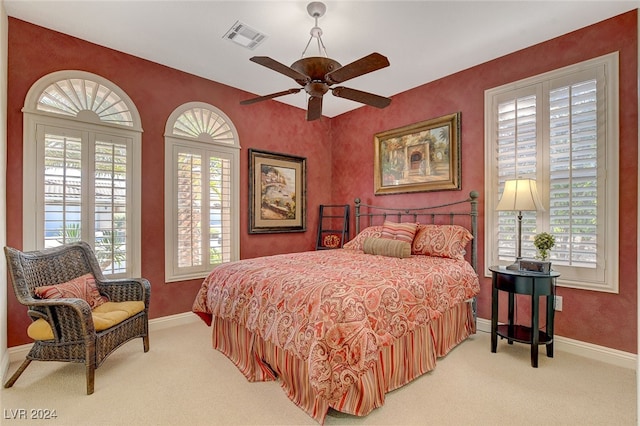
{"x":281,"y":68}
{"x":362,"y":97}
{"x":271,"y":96}
{"x":372,"y":62}
{"x":314,"y":108}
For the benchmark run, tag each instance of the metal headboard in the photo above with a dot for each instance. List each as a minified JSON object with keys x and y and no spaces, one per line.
{"x":439,"y":214}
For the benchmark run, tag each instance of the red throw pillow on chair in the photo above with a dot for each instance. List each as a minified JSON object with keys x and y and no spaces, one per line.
{"x":83,"y":287}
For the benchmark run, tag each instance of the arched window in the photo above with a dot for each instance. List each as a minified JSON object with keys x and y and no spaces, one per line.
{"x":82,"y":137}
{"x":85,"y":99}
{"x":202,"y":191}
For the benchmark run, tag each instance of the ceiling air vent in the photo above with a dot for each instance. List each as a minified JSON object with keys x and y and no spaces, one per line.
{"x":244,"y":35}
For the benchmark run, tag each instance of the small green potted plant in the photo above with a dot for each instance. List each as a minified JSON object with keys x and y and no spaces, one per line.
{"x":544,"y":242}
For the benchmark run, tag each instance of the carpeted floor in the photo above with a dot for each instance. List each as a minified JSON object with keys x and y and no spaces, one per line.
{"x":183,"y":381}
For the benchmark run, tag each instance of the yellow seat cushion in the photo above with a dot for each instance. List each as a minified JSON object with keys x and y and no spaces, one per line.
{"x":40,"y":330}
{"x":104,"y":316}
{"x":131,"y":307}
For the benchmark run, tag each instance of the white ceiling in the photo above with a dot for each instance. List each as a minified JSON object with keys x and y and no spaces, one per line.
{"x":424,"y":40}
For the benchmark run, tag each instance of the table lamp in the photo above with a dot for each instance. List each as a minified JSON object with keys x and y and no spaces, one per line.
{"x":519,"y":195}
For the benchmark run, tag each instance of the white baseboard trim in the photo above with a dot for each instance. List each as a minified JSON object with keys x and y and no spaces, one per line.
{"x":18,"y":353}
{"x":564,"y":344}
{"x":584,"y":349}
{"x":172,"y":321}
{"x":4,"y":365}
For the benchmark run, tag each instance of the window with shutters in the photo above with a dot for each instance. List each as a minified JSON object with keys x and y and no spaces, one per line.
{"x":82,"y":169}
{"x":202,"y":191}
{"x":561,"y":129}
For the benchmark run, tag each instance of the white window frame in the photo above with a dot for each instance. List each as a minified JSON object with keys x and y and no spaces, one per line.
{"x":35,"y":120}
{"x":229,"y":148}
{"x":608,"y":163}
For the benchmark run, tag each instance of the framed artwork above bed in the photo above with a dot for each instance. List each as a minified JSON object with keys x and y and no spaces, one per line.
{"x":423,"y":156}
{"x":277,"y":192}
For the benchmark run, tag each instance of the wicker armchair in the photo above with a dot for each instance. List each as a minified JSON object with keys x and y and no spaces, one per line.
{"x":74,"y":336}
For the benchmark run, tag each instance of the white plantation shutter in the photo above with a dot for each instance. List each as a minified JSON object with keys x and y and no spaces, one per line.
{"x":189,"y":176}
{"x":560,"y":129}
{"x":110,"y":210}
{"x":62,"y":186}
{"x":85,"y":190}
{"x":574,"y":189}
{"x":220,"y":219}
{"x":201,"y":215}
{"x":517,"y":158}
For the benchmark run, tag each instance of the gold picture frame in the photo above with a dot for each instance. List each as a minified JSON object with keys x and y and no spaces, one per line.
{"x":277,"y":192}
{"x":420,"y":157}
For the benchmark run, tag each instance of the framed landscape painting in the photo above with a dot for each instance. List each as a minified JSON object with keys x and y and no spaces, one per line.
{"x":277,"y":192}
{"x":424,"y":156}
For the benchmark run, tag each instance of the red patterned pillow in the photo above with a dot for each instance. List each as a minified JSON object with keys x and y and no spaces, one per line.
{"x":441,"y":241}
{"x":358,"y":241}
{"x":399,"y":231}
{"x":83,"y":287}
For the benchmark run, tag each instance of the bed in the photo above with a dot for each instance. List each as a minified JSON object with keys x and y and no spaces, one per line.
{"x":341,"y":328}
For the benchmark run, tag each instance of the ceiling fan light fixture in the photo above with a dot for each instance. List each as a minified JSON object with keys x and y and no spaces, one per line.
{"x":316,"y":74}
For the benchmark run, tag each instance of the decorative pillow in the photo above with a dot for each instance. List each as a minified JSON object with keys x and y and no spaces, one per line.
{"x":441,"y":241}
{"x":331,"y":241}
{"x":399,"y":231}
{"x":83,"y":287}
{"x":387,"y":247}
{"x":358,"y":240}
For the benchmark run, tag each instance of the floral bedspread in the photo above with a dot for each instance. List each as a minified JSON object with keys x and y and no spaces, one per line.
{"x":335,"y":309}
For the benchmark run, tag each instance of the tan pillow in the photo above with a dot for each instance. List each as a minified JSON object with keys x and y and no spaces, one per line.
{"x":387,"y":247}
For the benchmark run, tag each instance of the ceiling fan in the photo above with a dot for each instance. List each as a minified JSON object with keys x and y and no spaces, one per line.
{"x":316,"y":74}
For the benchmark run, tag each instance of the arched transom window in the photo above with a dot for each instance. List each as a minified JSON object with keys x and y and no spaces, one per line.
{"x":203,"y":124}
{"x":85,"y":99}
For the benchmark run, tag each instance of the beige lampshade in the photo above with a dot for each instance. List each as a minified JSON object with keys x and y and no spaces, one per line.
{"x":520,"y":195}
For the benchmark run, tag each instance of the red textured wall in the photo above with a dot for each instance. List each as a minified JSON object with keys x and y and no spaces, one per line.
{"x":599,"y":318}
{"x":156,"y":91}
{"x":339,"y":154}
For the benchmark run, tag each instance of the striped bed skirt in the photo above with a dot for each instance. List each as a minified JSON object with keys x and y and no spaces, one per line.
{"x":409,"y":357}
